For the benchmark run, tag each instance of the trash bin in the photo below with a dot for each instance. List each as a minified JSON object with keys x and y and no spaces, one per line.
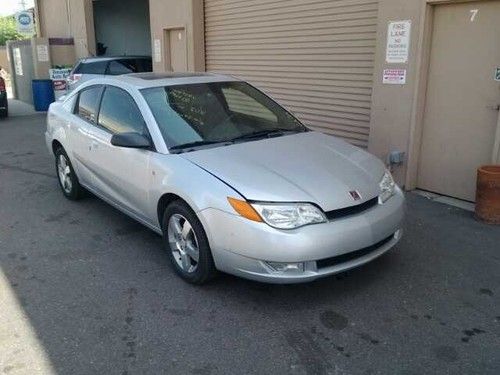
{"x":43,"y":94}
{"x":488,"y":194}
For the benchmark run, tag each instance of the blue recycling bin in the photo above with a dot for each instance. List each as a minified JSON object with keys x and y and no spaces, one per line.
{"x":43,"y":94}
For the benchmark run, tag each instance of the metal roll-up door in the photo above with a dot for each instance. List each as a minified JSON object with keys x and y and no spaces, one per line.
{"x":313,"y":56}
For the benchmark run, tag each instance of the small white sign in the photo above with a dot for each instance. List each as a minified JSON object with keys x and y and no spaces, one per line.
{"x":398,"y":42}
{"x":394,"y":76}
{"x":58,"y":74}
{"x":18,"y":61}
{"x":24,"y":22}
{"x":157,"y":50}
{"x":42,"y":52}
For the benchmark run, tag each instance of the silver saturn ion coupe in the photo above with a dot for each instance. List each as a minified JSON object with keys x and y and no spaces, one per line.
{"x":232,"y":180}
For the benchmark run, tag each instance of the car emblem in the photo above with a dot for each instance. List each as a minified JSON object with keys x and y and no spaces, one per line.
{"x":355,"y":195}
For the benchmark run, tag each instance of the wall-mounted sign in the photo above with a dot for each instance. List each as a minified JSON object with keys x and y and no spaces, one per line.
{"x":497,"y":73}
{"x":18,"y":61}
{"x":157,"y":50}
{"x":398,"y":42}
{"x":42,"y":52}
{"x":24,"y":22}
{"x":394,"y":76}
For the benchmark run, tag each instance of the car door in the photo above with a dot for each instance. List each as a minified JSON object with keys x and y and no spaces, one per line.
{"x":84,"y":118}
{"x":120,"y":174}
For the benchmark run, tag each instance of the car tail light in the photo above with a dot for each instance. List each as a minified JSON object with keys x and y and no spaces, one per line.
{"x":2,"y":84}
{"x":74,"y":78}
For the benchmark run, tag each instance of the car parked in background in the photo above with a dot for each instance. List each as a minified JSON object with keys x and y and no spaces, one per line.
{"x":4,"y":104}
{"x":232,"y":180}
{"x":94,"y":67}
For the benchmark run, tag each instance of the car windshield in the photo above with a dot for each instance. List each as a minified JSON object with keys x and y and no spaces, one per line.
{"x":197,"y":115}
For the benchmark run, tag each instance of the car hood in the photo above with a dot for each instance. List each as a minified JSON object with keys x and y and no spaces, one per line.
{"x":304,"y":167}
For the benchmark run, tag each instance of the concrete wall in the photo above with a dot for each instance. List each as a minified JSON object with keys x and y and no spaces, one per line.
{"x":169,"y":14}
{"x":22,"y":77}
{"x":123,"y":26}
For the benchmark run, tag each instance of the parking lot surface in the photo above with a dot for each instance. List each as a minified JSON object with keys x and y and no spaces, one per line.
{"x":97,"y":293}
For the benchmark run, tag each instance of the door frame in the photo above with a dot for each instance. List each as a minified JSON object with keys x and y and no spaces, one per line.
{"x":420,"y":91}
{"x":167,"y":52}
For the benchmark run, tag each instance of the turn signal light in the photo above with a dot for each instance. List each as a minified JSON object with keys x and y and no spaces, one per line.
{"x":244,"y":209}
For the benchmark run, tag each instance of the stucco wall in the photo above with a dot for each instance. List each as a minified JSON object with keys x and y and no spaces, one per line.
{"x":167,"y":14}
{"x":393,"y":105}
{"x":65,"y":19}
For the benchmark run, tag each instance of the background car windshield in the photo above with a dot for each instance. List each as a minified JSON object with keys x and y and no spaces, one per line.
{"x":215,"y":112}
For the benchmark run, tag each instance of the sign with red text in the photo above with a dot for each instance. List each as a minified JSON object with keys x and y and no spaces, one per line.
{"x":398,"y":42}
{"x":394,"y":76}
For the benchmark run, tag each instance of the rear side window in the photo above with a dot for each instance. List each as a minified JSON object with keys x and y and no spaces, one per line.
{"x":92,"y":67}
{"x":88,"y":101}
{"x":125,"y":66}
{"x":119,"y":112}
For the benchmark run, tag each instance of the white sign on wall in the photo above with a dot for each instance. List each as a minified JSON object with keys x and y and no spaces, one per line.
{"x":42,"y":52}
{"x":157,"y":50}
{"x":18,"y":61}
{"x":24,"y":22}
{"x":398,"y":42}
{"x":394,"y":76}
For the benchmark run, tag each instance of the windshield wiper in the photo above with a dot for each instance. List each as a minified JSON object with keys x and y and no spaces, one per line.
{"x":265,"y":133}
{"x":194,"y":144}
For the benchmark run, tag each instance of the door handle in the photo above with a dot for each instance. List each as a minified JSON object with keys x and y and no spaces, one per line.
{"x":494,"y":107}
{"x":93,"y":145}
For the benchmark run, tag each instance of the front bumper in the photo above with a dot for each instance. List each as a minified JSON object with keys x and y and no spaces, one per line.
{"x":243,"y":248}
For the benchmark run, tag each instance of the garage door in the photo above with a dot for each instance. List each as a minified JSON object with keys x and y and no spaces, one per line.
{"x":313,"y":56}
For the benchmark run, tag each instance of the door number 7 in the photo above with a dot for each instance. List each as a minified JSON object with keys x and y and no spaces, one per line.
{"x":473,"y":14}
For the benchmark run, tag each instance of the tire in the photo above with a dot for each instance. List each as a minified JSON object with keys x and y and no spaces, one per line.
{"x":4,"y":113}
{"x":68,"y":181}
{"x":183,"y":237}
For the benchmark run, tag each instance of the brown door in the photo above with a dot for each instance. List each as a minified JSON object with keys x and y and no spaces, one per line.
{"x":461,"y":114}
{"x":176,"y":51}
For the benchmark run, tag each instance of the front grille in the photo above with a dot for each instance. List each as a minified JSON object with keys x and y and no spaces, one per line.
{"x":339,"y":259}
{"x":351,"y":210}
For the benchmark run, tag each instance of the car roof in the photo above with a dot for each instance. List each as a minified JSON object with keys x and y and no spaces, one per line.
{"x":109,"y":58}
{"x":146,"y":80}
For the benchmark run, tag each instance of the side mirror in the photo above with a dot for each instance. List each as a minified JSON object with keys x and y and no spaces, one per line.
{"x":130,"y":140}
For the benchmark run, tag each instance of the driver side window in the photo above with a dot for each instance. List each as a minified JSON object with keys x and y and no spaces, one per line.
{"x":119,"y":113}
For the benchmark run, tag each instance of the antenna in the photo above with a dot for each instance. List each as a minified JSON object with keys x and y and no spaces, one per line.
{"x":23,"y":4}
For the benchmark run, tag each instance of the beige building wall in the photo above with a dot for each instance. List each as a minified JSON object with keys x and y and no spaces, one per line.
{"x":4,"y":62}
{"x":168,"y":15}
{"x":397,"y":110}
{"x":68,"y":19}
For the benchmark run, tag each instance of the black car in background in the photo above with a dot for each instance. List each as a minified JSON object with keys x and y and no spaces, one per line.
{"x":93,"y":67}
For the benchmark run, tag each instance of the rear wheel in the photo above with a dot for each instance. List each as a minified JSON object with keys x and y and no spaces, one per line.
{"x":187,"y":244}
{"x":68,"y":181}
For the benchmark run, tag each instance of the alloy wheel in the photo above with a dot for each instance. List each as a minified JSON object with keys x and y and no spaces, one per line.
{"x":183,"y":243}
{"x":64,"y":172}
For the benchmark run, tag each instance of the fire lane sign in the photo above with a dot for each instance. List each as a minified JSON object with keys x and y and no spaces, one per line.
{"x":398,"y":42}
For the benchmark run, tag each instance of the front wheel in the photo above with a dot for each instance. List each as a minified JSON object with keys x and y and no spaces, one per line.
{"x":187,"y":244}
{"x":68,"y":181}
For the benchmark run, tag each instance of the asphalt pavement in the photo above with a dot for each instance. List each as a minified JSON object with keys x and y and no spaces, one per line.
{"x":86,"y":290}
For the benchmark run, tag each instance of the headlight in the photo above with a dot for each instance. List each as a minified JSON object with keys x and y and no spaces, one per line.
{"x":387,"y":187}
{"x":289,"y":215}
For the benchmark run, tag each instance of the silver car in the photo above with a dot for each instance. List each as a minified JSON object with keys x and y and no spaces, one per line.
{"x":231,"y":180}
